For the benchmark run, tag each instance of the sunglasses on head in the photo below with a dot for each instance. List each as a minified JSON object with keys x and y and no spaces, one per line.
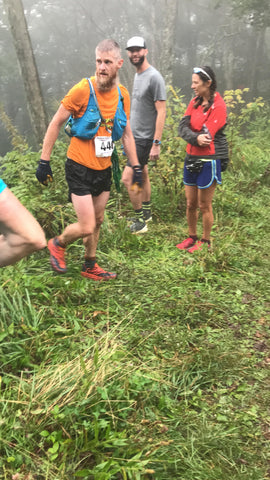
{"x":201,"y":70}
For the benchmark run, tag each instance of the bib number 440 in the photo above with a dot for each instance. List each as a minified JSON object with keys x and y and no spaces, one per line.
{"x":104,"y":146}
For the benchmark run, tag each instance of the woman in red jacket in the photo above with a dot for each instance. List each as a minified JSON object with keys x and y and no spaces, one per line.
{"x":206,"y":154}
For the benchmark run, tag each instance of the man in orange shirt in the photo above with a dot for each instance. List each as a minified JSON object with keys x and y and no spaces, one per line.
{"x":88,"y":166}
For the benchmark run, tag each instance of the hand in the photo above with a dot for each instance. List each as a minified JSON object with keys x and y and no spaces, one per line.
{"x":154,"y":153}
{"x":44,"y":172}
{"x":204,"y":140}
{"x":137,"y":178}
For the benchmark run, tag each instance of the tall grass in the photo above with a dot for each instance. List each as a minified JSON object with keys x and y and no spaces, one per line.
{"x":161,"y":374}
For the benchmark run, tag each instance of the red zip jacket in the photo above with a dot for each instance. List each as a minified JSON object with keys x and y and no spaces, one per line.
{"x":214,"y":119}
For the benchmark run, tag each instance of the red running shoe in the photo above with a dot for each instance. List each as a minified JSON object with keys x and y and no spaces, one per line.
{"x":189,"y":242}
{"x":97,"y":273}
{"x":198,"y":246}
{"x":57,"y":256}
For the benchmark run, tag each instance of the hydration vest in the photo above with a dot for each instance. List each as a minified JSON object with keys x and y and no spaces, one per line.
{"x":86,"y":127}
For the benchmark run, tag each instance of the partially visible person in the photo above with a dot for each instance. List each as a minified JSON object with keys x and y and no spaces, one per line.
{"x":147,"y":118}
{"x":206,"y":155}
{"x":88,"y":165}
{"x":20,"y":233}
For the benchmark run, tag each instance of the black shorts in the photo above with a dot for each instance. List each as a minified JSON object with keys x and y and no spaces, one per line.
{"x":82,"y":180}
{"x":143,"y":148}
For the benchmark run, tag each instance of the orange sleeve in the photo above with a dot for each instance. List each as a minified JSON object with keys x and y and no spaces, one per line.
{"x":76,"y":99}
{"x":126,"y":98}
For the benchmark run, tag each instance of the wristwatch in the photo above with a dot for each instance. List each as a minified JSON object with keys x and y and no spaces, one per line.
{"x":157,"y":142}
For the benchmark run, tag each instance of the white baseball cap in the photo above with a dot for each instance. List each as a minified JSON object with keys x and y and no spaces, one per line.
{"x":135,"y":42}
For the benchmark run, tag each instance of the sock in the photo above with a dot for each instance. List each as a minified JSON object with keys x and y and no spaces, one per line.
{"x":89,"y":262}
{"x":146,"y":206}
{"x":139,"y":215}
{"x":194,"y":237}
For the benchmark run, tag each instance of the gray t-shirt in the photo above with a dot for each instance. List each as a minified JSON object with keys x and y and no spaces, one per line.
{"x":148,"y":87}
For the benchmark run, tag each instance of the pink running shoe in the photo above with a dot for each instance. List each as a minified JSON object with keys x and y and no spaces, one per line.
{"x":198,"y":246}
{"x":189,"y":242}
{"x":97,"y":273}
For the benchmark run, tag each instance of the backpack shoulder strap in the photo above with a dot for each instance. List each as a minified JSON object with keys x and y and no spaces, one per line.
{"x":94,"y":97}
{"x":92,"y":91}
{"x":120,"y":94}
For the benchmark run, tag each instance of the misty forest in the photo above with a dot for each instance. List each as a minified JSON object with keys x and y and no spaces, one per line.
{"x":233,"y":37}
{"x":162,"y":373}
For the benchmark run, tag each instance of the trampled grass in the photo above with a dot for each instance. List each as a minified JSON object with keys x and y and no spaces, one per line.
{"x":161,"y":374}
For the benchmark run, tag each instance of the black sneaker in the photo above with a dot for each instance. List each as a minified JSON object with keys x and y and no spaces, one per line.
{"x":138,"y":226}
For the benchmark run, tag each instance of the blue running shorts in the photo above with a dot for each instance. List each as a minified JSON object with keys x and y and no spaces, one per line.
{"x":210,"y":172}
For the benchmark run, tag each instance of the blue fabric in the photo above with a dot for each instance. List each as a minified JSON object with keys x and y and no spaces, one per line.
{"x":210,"y":172}
{"x":87,"y":126}
{"x":2,"y":185}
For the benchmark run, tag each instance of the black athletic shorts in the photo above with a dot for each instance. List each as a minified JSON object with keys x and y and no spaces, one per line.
{"x":143,"y":148}
{"x":82,"y":180}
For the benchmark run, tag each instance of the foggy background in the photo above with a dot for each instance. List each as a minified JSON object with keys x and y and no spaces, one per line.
{"x":232,"y":36}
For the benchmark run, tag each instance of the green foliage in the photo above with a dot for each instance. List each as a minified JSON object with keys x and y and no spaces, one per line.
{"x":167,"y":173}
{"x":243,"y":118}
{"x":162,"y":373}
{"x":170,"y":164}
{"x":17,"y":141}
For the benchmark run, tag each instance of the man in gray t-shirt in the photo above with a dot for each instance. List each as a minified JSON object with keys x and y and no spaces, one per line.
{"x":147,"y":118}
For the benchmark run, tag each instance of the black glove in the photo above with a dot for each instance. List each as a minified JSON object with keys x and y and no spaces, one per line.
{"x":137,"y":177}
{"x":44,"y":172}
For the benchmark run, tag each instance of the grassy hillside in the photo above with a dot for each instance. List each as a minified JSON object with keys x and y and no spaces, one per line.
{"x":160,"y":374}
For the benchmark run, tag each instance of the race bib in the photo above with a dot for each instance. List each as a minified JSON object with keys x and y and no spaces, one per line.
{"x":104,"y":146}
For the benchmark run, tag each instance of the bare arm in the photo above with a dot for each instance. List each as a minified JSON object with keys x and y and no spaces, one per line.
{"x":160,"y":121}
{"x":131,"y":178}
{"x":129,"y":145}
{"x":53,"y":130}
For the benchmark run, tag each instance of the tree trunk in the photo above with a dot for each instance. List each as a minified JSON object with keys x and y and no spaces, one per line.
{"x":258,"y":56}
{"x":228,"y":62}
{"x":229,"y":40}
{"x":26,"y":59}
{"x":171,"y":10}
